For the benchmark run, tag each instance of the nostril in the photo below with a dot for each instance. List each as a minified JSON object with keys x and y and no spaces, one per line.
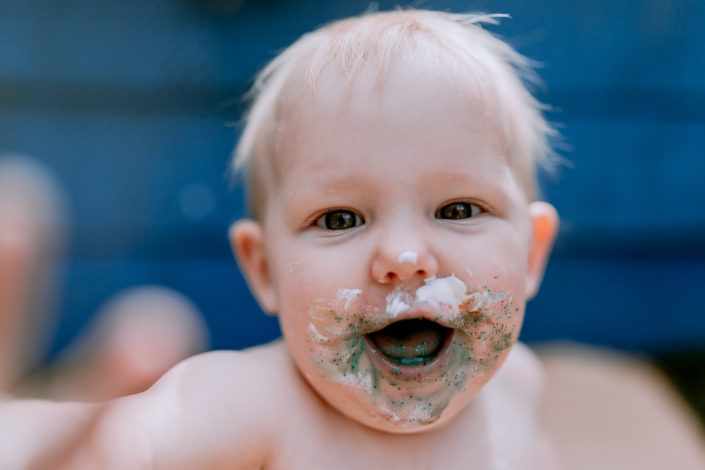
{"x":388,"y":266}
{"x":387,"y":278}
{"x":393,"y":276}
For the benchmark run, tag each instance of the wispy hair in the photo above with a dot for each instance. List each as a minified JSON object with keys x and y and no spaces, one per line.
{"x":378,"y":39}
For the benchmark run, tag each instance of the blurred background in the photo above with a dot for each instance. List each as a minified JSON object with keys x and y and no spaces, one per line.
{"x":133,"y":107}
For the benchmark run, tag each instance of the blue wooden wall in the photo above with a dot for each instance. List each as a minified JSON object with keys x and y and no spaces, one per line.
{"x":131,"y":104}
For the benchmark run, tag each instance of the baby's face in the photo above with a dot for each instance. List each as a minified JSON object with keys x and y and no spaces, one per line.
{"x":397,"y":247}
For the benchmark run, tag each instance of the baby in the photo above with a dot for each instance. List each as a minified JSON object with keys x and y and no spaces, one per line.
{"x":391,"y":167}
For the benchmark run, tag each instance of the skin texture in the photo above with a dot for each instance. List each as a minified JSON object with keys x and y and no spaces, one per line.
{"x":375,"y":155}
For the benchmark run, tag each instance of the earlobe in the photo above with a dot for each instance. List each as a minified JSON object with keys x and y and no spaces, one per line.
{"x":544,"y":226}
{"x":247,"y":242}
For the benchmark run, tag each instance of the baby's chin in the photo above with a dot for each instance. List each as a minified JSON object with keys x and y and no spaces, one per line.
{"x":400,"y":407}
{"x":356,"y":405}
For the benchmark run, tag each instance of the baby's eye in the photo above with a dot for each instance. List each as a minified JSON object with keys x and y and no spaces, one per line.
{"x":339,"y":220}
{"x":458,"y":210}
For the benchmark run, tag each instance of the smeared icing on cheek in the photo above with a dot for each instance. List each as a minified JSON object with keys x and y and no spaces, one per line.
{"x":291,"y":267}
{"x":347,"y":296}
{"x":485,"y":325}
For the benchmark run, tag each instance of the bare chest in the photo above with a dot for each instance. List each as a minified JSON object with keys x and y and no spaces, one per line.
{"x":483,"y":445}
{"x":328,"y":454}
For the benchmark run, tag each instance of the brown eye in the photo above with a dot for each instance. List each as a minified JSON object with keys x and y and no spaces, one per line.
{"x":339,"y":220}
{"x":458,"y":210}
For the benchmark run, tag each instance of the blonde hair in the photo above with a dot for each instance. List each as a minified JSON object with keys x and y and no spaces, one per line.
{"x":378,"y":39}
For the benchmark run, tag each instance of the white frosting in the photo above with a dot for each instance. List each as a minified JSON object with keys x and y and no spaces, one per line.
{"x":397,"y":302}
{"x":445,"y":293}
{"x":348,"y":295}
{"x":449,"y":291}
{"x":408,"y":257}
{"x":315,"y":334}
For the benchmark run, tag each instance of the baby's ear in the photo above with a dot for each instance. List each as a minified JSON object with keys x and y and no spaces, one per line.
{"x":247,"y":242}
{"x":544,"y":226}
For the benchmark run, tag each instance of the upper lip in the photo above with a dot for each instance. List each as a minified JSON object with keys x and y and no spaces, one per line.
{"x":414,"y":313}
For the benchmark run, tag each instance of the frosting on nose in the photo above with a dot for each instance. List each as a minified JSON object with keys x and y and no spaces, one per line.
{"x":408,"y":257}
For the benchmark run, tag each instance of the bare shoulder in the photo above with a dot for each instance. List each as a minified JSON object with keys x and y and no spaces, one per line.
{"x":220,"y":373}
{"x":598,"y":397}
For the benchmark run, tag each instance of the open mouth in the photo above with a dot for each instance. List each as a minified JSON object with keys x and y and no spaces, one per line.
{"x":414,"y":342}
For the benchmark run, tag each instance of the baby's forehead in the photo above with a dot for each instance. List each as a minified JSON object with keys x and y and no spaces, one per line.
{"x":385,"y":101}
{"x":366,"y":70}
{"x":381,"y":82}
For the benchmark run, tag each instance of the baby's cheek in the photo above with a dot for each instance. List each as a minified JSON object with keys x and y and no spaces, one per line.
{"x":306,"y":278}
{"x":496,"y":331}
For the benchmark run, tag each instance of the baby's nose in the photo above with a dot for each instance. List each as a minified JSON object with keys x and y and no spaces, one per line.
{"x":391,"y":265}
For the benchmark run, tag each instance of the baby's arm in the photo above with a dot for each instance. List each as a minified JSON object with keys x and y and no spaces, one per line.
{"x":34,"y":432}
{"x":206,"y":413}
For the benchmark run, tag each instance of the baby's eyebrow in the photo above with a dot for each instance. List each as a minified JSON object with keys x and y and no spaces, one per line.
{"x":325,"y":181}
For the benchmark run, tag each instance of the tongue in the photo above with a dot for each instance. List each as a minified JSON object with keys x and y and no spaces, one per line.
{"x":409,"y":339}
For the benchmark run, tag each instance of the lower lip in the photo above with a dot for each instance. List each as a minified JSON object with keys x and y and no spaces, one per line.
{"x":412,"y":373}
